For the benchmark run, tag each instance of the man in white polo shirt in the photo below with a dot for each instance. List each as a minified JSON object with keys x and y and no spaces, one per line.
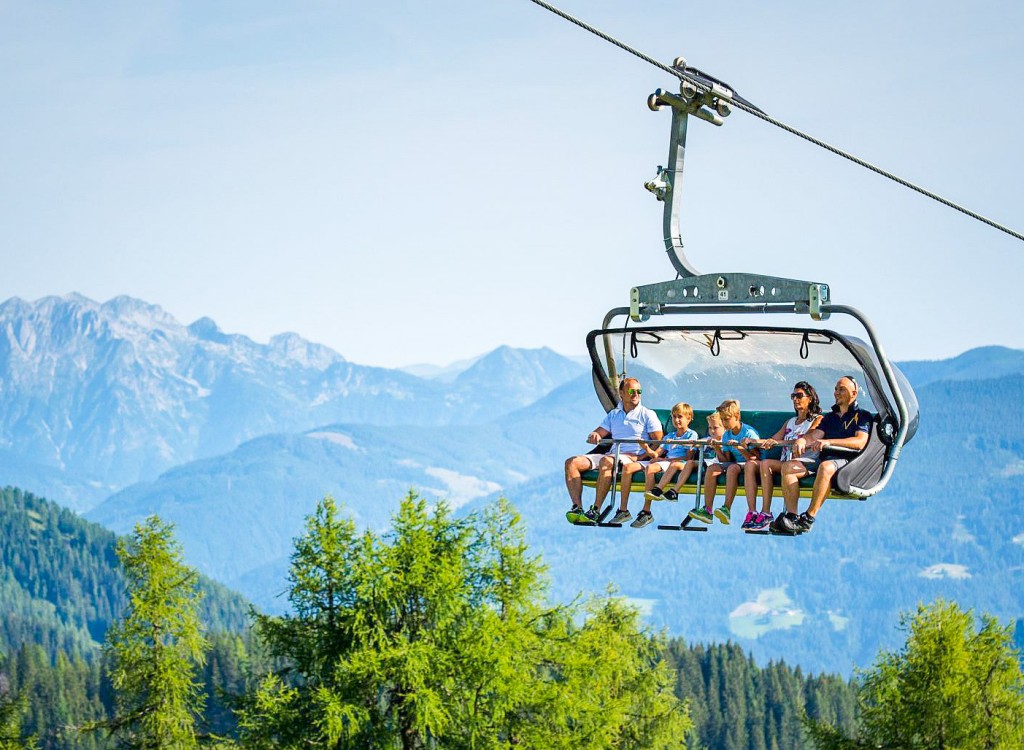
{"x":627,"y":421}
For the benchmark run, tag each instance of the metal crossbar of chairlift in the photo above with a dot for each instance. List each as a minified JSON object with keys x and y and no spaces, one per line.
{"x":685,"y":524}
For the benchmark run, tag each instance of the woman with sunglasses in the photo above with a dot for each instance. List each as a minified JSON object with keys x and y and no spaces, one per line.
{"x":807,"y":410}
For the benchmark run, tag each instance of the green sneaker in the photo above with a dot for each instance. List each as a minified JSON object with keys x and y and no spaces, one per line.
{"x":575,"y":515}
{"x":722,"y":514}
{"x":702,"y":515}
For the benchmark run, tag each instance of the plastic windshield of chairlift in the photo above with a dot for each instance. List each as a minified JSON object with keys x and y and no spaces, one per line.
{"x":704,"y":365}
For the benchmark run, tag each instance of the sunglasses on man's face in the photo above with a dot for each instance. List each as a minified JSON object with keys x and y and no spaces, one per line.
{"x":634,"y":391}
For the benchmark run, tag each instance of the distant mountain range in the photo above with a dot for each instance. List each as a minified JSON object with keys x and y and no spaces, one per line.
{"x":983,"y":363}
{"x":118,"y":410}
{"x":266,"y":486}
{"x":95,"y":397}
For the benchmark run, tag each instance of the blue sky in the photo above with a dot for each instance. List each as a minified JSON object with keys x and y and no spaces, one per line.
{"x":421,"y":182}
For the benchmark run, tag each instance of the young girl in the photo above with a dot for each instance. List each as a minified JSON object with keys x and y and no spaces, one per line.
{"x":669,"y":459}
{"x":808,"y":414}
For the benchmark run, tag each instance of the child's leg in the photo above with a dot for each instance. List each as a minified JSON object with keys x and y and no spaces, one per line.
{"x":652,"y":472}
{"x":768,"y":470}
{"x":684,"y":474}
{"x":710,"y":483}
{"x":732,"y":483}
{"x":751,"y":472}
{"x":671,"y":471}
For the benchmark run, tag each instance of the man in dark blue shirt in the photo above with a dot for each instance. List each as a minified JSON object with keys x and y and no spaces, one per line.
{"x":846,"y":426}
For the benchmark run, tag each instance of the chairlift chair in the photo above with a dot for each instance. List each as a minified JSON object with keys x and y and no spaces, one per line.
{"x":757,"y":363}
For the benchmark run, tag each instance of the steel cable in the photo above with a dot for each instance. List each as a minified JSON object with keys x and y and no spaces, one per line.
{"x":703,"y":88}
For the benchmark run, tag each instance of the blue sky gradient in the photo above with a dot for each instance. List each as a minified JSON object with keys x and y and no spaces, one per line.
{"x":421,"y":182}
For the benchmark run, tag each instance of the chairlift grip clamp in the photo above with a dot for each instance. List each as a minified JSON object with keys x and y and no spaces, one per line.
{"x":636,"y":314}
{"x":818,"y":298}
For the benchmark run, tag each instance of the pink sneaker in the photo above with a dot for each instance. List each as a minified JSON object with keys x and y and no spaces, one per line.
{"x":749,"y":520}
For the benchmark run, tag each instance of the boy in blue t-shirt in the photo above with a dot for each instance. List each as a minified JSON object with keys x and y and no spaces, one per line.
{"x":736,"y":447}
{"x":669,"y":459}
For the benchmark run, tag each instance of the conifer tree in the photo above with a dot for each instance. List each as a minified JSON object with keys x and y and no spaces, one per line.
{"x":156,"y":649}
{"x":952,"y":685}
{"x":11,"y":708}
{"x":437,"y":635}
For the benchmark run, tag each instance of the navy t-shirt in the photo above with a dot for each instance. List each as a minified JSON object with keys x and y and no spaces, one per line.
{"x":836,"y":426}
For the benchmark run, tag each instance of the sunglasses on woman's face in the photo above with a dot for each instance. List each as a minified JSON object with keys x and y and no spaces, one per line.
{"x":797,"y":394}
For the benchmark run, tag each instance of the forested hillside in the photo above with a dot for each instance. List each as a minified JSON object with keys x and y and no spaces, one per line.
{"x":737,"y":705}
{"x":60,"y":586}
{"x":65,"y":589}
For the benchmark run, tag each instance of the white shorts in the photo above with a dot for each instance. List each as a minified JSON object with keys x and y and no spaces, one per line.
{"x":726,"y":464}
{"x":624,"y":458}
{"x":664,"y":463}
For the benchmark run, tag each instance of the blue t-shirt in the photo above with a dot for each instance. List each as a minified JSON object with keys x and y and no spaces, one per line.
{"x":639,"y":423}
{"x":673,"y":452}
{"x":732,"y":452}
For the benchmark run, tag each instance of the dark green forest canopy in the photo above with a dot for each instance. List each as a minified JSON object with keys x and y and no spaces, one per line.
{"x":61,"y":586}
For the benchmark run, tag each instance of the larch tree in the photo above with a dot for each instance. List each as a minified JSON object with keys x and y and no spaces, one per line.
{"x":437,"y":635}
{"x":11,"y":709}
{"x":157,"y":648}
{"x":956,"y":683}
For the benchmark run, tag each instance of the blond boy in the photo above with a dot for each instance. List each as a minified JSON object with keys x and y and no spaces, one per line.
{"x":670,"y":459}
{"x":732,"y":454}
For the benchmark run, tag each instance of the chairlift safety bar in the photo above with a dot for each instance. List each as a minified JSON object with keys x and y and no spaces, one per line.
{"x":690,"y":306}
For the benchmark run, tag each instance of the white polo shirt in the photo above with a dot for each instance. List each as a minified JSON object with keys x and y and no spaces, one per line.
{"x":623,"y":425}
